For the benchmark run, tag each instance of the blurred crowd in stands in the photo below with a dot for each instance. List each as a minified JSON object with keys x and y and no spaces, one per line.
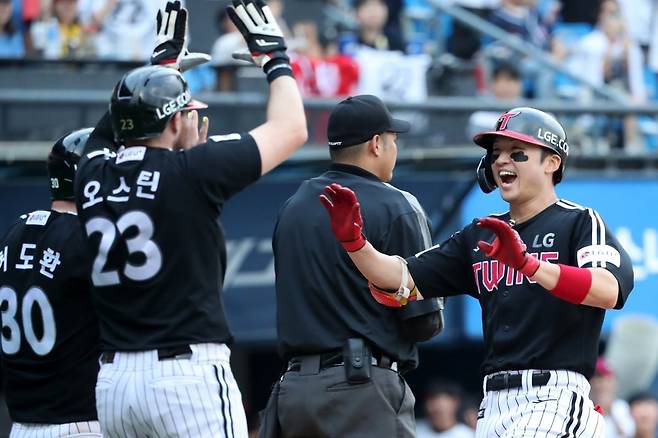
{"x":401,"y":50}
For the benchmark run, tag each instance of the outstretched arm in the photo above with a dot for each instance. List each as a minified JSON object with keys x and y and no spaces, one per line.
{"x":603,"y":290}
{"x":285,"y":129}
{"x":344,"y":210}
{"x":591,"y":286}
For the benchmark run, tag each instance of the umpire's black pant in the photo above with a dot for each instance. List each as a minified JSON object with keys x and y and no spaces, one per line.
{"x":320,"y":403}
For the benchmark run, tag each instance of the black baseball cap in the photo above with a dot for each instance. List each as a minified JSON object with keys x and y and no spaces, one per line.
{"x":357,"y":119}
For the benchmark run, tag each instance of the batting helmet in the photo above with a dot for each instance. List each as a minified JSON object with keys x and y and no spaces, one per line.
{"x":63,"y":162}
{"x":145,"y":99}
{"x":529,"y":125}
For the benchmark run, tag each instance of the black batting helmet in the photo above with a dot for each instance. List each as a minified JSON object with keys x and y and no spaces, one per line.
{"x":63,"y":162}
{"x":529,"y":125}
{"x":145,"y":99}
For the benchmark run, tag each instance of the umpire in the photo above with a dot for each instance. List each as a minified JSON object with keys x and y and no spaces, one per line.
{"x":344,"y":351}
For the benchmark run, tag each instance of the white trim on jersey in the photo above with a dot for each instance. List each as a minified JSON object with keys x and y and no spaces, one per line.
{"x":427,"y":250}
{"x":598,"y":235}
{"x":499,"y":214}
{"x":598,"y":253}
{"x":569,"y":204}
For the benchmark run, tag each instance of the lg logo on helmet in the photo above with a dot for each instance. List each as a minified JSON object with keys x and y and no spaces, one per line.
{"x":553,"y":139}
{"x":174,"y":105}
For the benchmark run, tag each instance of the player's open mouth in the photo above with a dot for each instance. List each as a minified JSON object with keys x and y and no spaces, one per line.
{"x":507,"y":176}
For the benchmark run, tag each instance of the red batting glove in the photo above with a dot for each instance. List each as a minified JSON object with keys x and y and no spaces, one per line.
{"x":507,"y":247}
{"x":345,"y":216}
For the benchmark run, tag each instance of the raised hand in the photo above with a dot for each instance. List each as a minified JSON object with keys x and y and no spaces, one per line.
{"x":345,"y":216}
{"x":507,"y":247}
{"x":267,"y":48}
{"x":171,"y":43}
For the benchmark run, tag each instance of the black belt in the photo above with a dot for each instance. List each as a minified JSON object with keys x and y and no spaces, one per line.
{"x":503,"y":381}
{"x":335,"y":358}
{"x":180,"y":352}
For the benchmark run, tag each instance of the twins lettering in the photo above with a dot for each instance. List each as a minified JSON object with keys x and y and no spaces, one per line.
{"x":489,"y":273}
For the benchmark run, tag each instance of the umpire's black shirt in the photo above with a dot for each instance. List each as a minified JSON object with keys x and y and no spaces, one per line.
{"x":322,"y":299}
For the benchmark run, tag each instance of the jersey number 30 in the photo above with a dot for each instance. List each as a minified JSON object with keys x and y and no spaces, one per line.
{"x":140,"y":243}
{"x":11,"y":338}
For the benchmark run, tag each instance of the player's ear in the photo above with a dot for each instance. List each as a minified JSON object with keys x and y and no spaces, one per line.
{"x":552,"y":163}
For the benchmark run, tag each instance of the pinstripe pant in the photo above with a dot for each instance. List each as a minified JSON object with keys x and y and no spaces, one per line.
{"x":138,"y":395}
{"x":561,"y":408}
{"x":82,"y":429}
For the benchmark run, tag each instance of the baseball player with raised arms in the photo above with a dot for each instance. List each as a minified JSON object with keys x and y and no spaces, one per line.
{"x":49,"y":327}
{"x":150,"y":213}
{"x":544,"y":273}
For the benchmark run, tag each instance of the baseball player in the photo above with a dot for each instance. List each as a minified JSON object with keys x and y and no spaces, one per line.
{"x":149,"y":211}
{"x":49,"y":328}
{"x":544,"y":273}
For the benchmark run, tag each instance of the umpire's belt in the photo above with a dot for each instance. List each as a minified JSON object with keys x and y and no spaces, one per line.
{"x":503,"y":381}
{"x":317,"y":362}
{"x":179,"y":352}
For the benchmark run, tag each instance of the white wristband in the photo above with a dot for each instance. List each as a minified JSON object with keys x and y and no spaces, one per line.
{"x":403,"y":291}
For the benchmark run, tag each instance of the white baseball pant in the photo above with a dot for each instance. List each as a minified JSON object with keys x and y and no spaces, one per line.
{"x":561,"y":408}
{"x":138,"y":395}
{"x":81,"y":429}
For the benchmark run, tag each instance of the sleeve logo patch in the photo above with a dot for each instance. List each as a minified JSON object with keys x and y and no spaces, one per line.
{"x":39,"y":217}
{"x":227,"y":137}
{"x":135,"y":153}
{"x":598,"y":253}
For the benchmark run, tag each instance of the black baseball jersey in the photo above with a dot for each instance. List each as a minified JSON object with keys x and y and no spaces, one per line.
{"x":151,"y":218}
{"x":525,"y":327}
{"x":322,"y":299}
{"x":49,"y":327}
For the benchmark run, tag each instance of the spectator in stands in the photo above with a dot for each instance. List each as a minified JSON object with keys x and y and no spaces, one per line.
{"x":638,"y":18}
{"x":505,"y":86}
{"x":464,"y":42}
{"x":608,"y":55}
{"x":470,"y":408}
{"x":644,"y":410}
{"x":523,"y":19}
{"x":618,"y":421}
{"x":278,"y":7}
{"x":393,"y":23}
{"x":371,"y":17}
{"x":652,"y":57}
{"x":581,"y":11}
{"x":127,"y":29}
{"x":11,"y":40}
{"x":229,"y":41}
{"x":63,"y":36}
{"x":319,"y":68}
{"x":442,"y":401}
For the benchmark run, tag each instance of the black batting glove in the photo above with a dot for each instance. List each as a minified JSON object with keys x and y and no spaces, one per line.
{"x":171,"y":43}
{"x":267,"y":48}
